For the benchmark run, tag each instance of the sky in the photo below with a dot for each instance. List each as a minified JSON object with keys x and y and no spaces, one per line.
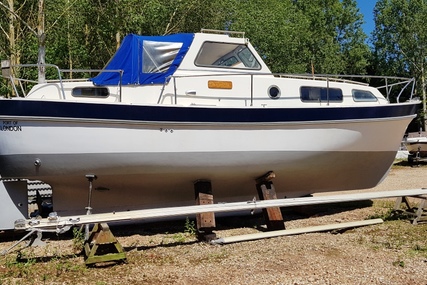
{"x":367,"y":9}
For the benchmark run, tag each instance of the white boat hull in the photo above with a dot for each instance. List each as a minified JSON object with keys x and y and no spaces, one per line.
{"x":416,"y":144}
{"x":150,"y":164}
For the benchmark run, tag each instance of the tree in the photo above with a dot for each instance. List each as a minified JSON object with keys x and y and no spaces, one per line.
{"x":18,"y":25}
{"x":277,"y":30}
{"x":292,"y":36}
{"x":335,"y":37}
{"x":400,"y":40}
{"x":320,"y":36}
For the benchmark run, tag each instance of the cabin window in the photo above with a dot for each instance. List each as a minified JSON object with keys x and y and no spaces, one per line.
{"x":157,"y":57}
{"x":226,"y":55}
{"x":90,"y":92}
{"x":363,"y":96}
{"x":320,"y":94}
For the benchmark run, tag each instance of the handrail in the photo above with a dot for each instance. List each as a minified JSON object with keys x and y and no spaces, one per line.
{"x":211,"y":31}
{"x":317,"y":77}
{"x":252,"y":90}
{"x":401,"y":91}
{"x":37,"y":65}
{"x":60,"y":79}
{"x":322,"y":77}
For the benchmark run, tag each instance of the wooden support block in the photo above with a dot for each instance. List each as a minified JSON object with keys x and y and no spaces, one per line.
{"x":266,"y":191}
{"x":269,"y":176}
{"x":205,"y":221}
{"x":421,"y":215}
{"x":417,"y":214}
{"x":102,"y":246}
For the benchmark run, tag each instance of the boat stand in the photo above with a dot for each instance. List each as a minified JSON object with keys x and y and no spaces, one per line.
{"x":35,"y":240}
{"x":102,"y":246}
{"x":266,"y":191}
{"x":418,"y":214}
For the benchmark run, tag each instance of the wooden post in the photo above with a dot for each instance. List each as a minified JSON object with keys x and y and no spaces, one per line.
{"x":266,"y":191}
{"x":205,"y":221}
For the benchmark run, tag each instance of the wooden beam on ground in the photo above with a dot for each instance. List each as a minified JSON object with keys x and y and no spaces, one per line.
{"x":288,"y":232}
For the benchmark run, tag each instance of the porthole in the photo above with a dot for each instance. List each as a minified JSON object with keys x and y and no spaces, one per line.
{"x":93,"y":91}
{"x":274,"y":92}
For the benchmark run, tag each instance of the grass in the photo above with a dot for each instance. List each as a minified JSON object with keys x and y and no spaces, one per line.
{"x":78,"y":239}
{"x":54,"y":265}
{"x":402,"y":240}
{"x":397,"y":233}
{"x":29,"y":269}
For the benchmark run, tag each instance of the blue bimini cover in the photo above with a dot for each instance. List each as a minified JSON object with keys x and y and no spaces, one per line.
{"x":145,"y":59}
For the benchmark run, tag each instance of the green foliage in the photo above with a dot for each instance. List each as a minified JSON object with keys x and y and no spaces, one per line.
{"x":334,"y":36}
{"x":400,"y":263}
{"x":21,"y":267}
{"x":276,"y":32}
{"x":400,"y":39}
{"x":190,"y":227}
{"x":292,"y":36}
{"x":78,"y":239}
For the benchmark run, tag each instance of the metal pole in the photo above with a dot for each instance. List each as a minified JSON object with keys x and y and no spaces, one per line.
{"x":252,"y":89}
{"x":120,"y":85}
{"x":90,"y":178}
{"x":423,"y":87}
{"x":174,"y":88}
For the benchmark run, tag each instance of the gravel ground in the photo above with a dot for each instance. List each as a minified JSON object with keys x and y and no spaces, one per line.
{"x":394,"y":252}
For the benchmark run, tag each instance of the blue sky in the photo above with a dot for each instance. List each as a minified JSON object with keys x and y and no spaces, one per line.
{"x":367,"y":9}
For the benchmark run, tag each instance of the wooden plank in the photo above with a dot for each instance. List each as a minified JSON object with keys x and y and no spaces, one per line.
{"x":266,"y":191}
{"x":223,"y":207}
{"x":313,"y":229}
{"x":273,"y":215}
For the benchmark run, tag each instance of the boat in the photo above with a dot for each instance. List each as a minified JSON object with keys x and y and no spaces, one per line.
{"x":168,"y":111}
{"x":416,"y":145}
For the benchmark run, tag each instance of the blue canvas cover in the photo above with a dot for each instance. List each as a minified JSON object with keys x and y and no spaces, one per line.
{"x":145,"y":59}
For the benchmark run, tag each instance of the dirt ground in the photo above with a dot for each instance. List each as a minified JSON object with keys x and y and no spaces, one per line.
{"x":394,"y":252}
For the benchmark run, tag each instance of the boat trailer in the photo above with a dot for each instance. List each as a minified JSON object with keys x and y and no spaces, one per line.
{"x":101,"y":236}
{"x":416,"y":157}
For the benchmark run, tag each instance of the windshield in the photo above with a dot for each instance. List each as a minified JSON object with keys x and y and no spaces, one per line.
{"x":226,"y":55}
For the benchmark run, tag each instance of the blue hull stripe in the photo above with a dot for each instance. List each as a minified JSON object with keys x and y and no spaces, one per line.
{"x":69,"y":110}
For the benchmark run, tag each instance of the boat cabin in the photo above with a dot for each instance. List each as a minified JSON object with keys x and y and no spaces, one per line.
{"x":210,"y":68}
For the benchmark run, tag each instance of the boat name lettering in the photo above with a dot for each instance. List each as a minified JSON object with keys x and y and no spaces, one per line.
{"x":166,"y":130}
{"x":11,"y":126}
